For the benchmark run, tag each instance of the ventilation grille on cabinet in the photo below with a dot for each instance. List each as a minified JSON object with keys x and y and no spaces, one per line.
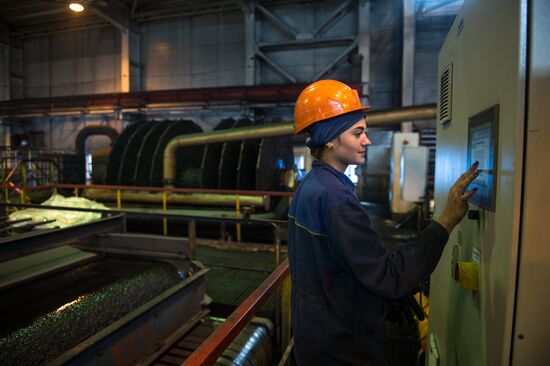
{"x":445,"y":96}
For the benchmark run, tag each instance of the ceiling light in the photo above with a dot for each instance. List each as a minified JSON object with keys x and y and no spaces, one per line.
{"x":76,"y":7}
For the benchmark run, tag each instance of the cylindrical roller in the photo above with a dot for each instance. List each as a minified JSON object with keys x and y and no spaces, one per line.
{"x":202,"y":199}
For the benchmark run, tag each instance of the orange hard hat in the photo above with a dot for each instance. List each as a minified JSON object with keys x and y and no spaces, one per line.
{"x":324,"y":99}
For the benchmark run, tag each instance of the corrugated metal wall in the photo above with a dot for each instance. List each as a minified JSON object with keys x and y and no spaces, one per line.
{"x":193,"y":52}
{"x":85,"y":62}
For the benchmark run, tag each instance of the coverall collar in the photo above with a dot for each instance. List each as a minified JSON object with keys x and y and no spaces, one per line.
{"x":318,"y":164}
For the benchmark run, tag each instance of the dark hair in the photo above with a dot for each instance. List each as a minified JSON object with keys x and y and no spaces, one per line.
{"x":317,"y":151}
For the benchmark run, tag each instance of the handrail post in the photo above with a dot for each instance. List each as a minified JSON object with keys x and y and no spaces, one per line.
{"x":23,"y":184}
{"x":192,"y":237}
{"x":164,"y":219}
{"x":4,"y":171}
{"x":238,"y":214}
{"x":278,"y":293}
{"x":277,"y":242}
{"x":118,"y":199}
{"x":286,"y":313}
{"x":4,"y":180}
{"x":52,"y":179}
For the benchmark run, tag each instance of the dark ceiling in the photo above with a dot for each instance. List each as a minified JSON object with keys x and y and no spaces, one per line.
{"x":34,"y":17}
{"x":26,"y":18}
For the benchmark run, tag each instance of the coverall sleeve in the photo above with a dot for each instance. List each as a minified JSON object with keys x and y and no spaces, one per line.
{"x":358,"y":247}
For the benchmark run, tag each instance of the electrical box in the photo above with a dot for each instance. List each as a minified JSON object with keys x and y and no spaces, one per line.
{"x":488,"y":300}
{"x":399,"y":141}
{"x":414,"y":173}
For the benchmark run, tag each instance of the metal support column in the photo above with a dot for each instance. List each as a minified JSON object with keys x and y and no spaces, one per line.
{"x":5,"y":62}
{"x":409,"y":30}
{"x":118,"y":14}
{"x":135,"y":62}
{"x":124,"y":61}
{"x":249,"y":13}
{"x":363,"y":43}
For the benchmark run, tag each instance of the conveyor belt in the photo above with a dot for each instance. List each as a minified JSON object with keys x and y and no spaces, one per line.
{"x":56,"y":313}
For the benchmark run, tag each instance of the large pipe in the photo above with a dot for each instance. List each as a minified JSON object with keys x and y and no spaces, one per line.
{"x":80,"y":143}
{"x":414,"y":113}
{"x":202,"y":199}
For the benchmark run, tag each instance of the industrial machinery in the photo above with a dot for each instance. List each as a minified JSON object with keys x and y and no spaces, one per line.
{"x":93,"y":294}
{"x":137,"y":158}
{"x":262,"y":164}
{"x":489,"y":303}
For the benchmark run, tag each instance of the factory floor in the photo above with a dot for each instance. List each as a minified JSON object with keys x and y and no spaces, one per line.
{"x":233,"y":275}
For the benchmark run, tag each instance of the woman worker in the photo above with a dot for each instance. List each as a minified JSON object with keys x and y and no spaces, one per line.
{"x":342,"y":277}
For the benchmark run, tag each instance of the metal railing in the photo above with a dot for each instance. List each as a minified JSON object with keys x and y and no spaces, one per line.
{"x":164,"y":191}
{"x":277,"y":283}
{"x":26,"y":173}
{"x":214,"y":346}
{"x":165,"y":214}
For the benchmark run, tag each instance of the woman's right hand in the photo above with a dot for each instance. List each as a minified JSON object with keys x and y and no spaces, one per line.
{"x":457,"y":201}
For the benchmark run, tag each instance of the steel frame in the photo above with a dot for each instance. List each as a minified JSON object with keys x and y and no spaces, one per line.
{"x":122,"y":341}
{"x":36,"y":241}
{"x":301,"y":40}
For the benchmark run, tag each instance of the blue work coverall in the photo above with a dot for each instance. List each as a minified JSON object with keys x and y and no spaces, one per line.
{"x":342,"y":276}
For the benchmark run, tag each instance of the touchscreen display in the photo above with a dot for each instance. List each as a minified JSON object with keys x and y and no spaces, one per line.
{"x":482,"y":146}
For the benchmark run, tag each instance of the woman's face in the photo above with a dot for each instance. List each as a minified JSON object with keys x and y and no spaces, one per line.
{"x":350,"y":146}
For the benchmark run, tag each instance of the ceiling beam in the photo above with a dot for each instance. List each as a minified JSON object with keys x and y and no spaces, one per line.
{"x":333,"y":18}
{"x":334,"y":64}
{"x":58,"y":27}
{"x":182,"y":12}
{"x":117,"y":14}
{"x":278,"y":22}
{"x":38,"y":14}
